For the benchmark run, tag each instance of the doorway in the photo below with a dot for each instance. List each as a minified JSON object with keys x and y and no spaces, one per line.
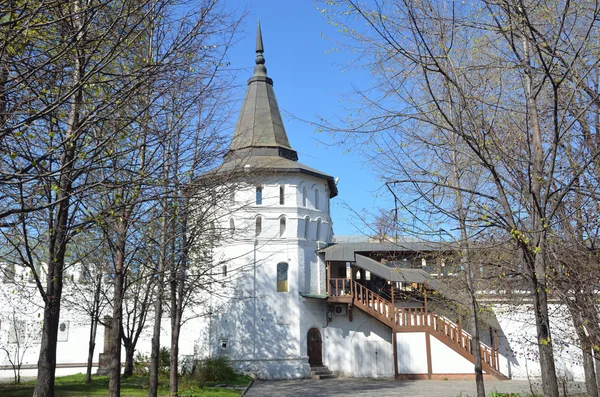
{"x":315,"y":348}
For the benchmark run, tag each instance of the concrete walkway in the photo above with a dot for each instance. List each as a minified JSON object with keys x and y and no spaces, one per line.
{"x":388,"y":388}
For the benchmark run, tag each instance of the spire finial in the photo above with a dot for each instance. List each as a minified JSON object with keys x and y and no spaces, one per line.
{"x":259,"y":44}
{"x":259,"y":69}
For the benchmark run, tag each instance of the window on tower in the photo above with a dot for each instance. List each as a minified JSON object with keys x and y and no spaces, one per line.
{"x":281,"y":195}
{"x":282,"y":226}
{"x":316,"y":199}
{"x":258,"y":226}
{"x":282,"y":277}
{"x":259,"y":195}
{"x":318,"y":236}
{"x":304,"y":196}
{"x":306,"y":226}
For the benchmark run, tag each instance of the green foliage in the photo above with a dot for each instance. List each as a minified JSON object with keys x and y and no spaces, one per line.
{"x":141,"y":363}
{"x":498,"y":394}
{"x":164,"y":360}
{"x":135,"y":386}
{"x":209,"y":370}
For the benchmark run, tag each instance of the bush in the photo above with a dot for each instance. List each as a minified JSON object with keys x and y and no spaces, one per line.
{"x":141,"y":363}
{"x":164,"y":360}
{"x":217,"y":369}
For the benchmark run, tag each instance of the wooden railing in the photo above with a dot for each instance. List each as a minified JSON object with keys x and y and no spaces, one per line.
{"x":402,"y":318}
{"x":339,"y":287}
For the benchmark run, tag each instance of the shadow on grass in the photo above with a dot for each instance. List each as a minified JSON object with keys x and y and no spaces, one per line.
{"x":74,"y":385}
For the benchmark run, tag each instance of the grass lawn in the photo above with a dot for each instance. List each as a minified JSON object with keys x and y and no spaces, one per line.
{"x":74,"y":385}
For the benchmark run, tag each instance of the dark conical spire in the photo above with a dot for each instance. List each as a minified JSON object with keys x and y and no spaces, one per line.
{"x":259,"y":44}
{"x":260,"y":69}
{"x":259,"y":129}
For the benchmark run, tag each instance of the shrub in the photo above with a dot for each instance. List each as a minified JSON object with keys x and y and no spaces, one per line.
{"x":217,"y":369}
{"x":164,"y":360}
{"x":141,"y":363}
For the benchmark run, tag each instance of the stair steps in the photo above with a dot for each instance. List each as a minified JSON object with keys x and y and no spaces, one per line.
{"x":321,"y":372}
{"x":421,"y":320}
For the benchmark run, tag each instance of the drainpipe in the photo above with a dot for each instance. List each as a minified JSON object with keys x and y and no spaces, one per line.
{"x":254,"y":305}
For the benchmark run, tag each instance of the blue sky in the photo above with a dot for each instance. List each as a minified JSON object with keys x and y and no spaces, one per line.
{"x":309,"y":82}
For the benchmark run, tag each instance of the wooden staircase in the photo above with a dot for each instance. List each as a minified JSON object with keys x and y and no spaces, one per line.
{"x":415,"y":320}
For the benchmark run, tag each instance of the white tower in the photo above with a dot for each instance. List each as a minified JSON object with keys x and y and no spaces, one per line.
{"x":273,"y":281}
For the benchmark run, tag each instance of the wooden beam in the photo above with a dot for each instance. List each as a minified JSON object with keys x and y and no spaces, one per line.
{"x":327,"y":284}
{"x":428,"y":348}
{"x":395,"y":347}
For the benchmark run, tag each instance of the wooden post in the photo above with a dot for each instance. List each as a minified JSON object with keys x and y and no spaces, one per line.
{"x":425,"y":300}
{"x":395,"y":347}
{"x":428,"y":348}
{"x":328,"y":284}
{"x":460,"y":331}
{"x":392,"y":309}
{"x":492,"y":347}
{"x":496,"y":354}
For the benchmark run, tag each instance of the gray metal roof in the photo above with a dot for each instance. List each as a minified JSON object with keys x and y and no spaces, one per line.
{"x":257,"y":162}
{"x":393,"y":273}
{"x":345,"y":251}
{"x":259,"y":123}
{"x":260,"y":143}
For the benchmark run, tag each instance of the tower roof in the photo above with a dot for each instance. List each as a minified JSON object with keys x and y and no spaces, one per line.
{"x":259,"y":125}
{"x":260,"y":143}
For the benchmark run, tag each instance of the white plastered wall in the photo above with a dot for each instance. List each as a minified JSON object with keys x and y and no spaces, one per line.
{"x":360,"y":348}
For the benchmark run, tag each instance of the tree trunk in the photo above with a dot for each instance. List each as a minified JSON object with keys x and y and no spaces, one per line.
{"x":93,"y":328}
{"x":129,"y":352}
{"x":58,"y":237}
{"x":44,"y":386}
{"x":114,"y":382}
{"x":153,"y":380}
{"x":538,"y":230}
{"x":91,"y":348}
{"x":174,"y":364}
{"x":588,"y":367}
{"x":542,"y":321}
{"x":475,"y":348}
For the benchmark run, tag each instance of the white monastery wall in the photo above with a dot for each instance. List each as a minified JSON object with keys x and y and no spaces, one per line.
{"x":361,"y":348}
{"x":446,"y":361}
{"x":412,"y":352}
{"x":518,"y":341}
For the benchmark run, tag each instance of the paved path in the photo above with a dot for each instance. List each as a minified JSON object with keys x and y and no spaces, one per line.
{"x":388,"y":388}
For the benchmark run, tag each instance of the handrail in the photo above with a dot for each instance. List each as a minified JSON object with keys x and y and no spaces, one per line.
{"x":411,"y":317}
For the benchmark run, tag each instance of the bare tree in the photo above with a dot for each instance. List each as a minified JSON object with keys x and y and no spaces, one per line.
{"x":500,"y":77}
{"x":20,"y":338}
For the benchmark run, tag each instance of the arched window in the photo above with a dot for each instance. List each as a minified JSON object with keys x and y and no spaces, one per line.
{"x":306,"y":226}
{"x":258,"y":226}
{"x":231,"y":227}
{"x":319,"y":229}
{"x":282,"y":277}
{"x":282,"y":226}
{"x":224,"y":271}
{"x":281,"y":195}
{"x":259,"y":194}
{"x":357,"y":275}
{"x":316,"y":199}
{"x":304,"y":196}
